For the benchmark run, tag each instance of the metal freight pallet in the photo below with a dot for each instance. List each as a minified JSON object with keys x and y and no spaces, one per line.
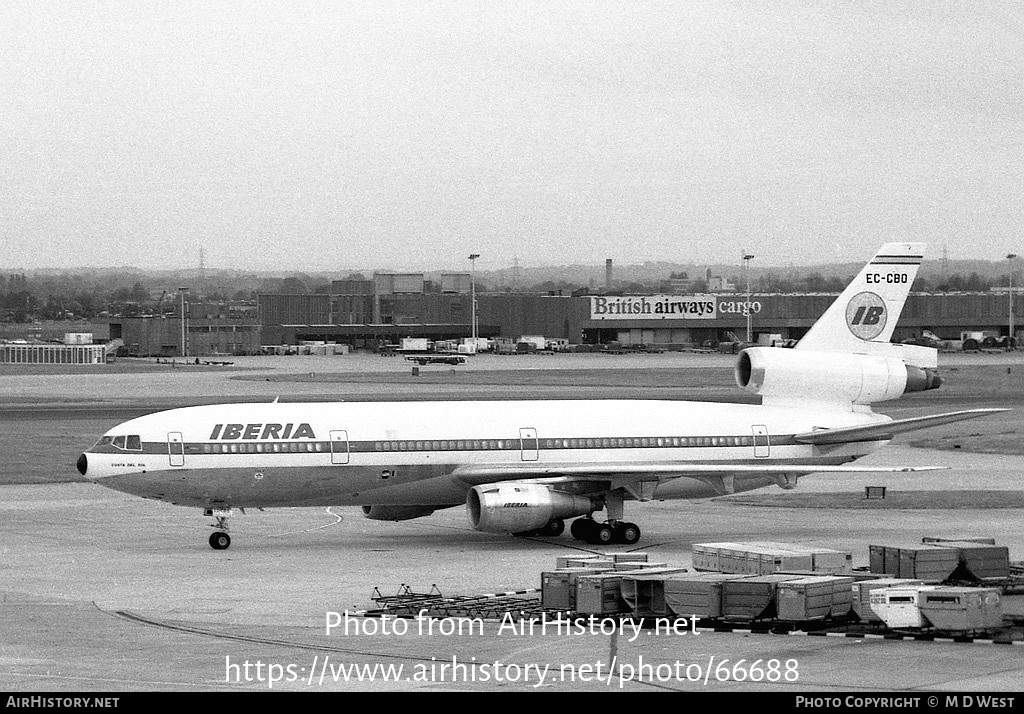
{"x":408,"y":603}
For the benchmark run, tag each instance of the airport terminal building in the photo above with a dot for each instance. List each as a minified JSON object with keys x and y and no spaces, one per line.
{"x":369,"y":314}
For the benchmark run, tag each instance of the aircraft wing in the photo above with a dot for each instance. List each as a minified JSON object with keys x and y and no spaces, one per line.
{"x":568,"y":473}
{"x":886,"y":430}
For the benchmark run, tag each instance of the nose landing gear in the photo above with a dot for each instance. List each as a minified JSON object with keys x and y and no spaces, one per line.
{"x":219,"y":539}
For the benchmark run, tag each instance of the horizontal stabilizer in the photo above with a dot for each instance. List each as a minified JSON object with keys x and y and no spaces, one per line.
{"x":886,"y":430}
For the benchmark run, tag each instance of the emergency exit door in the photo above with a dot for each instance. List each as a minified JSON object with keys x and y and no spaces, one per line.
{"x":528,"y":444}
{"x":339,"y":447}
{"x":762,"y":443}
{"x":175,"y":448}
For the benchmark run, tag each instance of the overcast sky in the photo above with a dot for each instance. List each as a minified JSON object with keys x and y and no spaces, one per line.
{"x":407,"y":135}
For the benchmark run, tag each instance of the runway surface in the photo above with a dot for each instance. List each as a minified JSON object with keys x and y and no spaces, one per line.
{"x":106,"y":592}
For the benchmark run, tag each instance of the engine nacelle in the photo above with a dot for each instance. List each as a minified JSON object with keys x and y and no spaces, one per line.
{"x":513,"y":507}
{"x":829,"y":376}
{"x":397,"y":513}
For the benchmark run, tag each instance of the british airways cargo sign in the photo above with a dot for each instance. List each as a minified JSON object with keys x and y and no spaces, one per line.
{"x":653,"y":307}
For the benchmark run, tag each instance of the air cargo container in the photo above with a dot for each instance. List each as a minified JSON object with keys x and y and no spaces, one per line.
{"x":900,"y":607}
{"x":415,"y":344}
{"x":766,"y":557}
{"x":558,"y":587}
{"x":644,"y":591}
{"x":979,"y":560}
{"x":752,"y":597}
{"x":599,"y":594}
{"x":815,"y":598}
{"x":823,"y":560}
{"x":628,"y":566}
{"x":928,"y":562}
{"x":862,"y":594}
{"x":914,"y":560}
{"x":960,"y":609}
{"x":580,"y":561}
{"x":944,"y":608}
{"x":697,"y":594}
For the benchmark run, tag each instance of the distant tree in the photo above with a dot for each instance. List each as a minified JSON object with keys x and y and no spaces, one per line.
{"x":815,"y":283}
{"x":836,"y":284}
{"x":635,"y":288}
{"x":293,"y":286}
{"x":553,"y":286}
{"x":139,"y":293}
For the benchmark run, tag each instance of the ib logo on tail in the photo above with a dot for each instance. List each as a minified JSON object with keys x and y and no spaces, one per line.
{"x":865,"y":315}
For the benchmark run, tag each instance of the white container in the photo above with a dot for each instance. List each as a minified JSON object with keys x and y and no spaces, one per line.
{"x":862,"y":594}
{"x":900,"y":607}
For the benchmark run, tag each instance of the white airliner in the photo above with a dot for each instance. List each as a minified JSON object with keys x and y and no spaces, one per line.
{"x":525,"y":466}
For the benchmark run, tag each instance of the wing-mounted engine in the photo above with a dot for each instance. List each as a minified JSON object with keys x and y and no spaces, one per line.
{"x":514,"y":507}
{"x":397,"y":513}
{"x":795,"y":375}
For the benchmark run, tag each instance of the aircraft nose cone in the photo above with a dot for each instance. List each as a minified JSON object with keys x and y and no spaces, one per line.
{"x":83,"y":464}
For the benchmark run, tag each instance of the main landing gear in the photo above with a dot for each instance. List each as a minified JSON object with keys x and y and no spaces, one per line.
{"x":219,"y":539}
{"x":615,"y":530}
{"x":590,"y":531}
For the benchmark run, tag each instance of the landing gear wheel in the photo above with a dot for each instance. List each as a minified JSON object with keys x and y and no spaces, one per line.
{"x":581,"y":529}
{"x":554,"y":528}
{"x":602,"y":535}
{"x":220,"y":540}
{"x":627,"y":533}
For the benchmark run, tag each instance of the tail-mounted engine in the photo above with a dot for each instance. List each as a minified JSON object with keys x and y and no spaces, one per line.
{"x":513,"y":507}
{"x":829,"y":376}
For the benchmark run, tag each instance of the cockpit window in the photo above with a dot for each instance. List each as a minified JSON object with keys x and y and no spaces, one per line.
{"x":133,"y":443}
{"x":104,"y":441}
{"x":119,"y":442}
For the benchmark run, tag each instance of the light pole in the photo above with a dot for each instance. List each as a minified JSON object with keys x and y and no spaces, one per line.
{"x":1009,"y":340}
{"x":472,"y":288}
{"x":747,"y":257}
{"x":184,"y":333}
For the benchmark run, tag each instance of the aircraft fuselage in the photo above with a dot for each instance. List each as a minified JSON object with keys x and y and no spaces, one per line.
{"x":410,"y":453}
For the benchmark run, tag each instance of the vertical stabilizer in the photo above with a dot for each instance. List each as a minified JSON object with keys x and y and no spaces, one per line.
{"x":866,"y":313}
